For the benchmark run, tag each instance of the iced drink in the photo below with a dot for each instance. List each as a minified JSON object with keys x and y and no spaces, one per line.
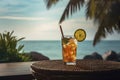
{"x":69,"y":49}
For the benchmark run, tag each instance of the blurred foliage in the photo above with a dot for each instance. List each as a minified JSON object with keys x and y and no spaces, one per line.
{"x":106,"y":13}
{"x":10,"y":50}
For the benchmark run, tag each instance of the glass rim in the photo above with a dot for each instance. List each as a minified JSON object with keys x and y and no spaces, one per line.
{"x":68,"y":36}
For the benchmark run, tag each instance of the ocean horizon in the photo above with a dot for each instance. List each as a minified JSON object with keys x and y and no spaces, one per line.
{"x":53,"y":48}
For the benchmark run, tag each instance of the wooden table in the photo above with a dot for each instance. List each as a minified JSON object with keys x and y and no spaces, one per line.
{"x":83,"y":70}
{"x":16,"y":71}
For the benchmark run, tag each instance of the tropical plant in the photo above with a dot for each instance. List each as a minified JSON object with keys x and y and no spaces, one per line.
{"x":9,"y":49}
{"x":104,"y":12}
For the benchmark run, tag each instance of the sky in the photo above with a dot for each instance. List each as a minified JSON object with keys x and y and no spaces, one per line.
{"x":32,"y":20}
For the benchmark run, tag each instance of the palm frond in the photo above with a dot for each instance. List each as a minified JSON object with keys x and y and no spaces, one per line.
{"x":105,"y":12}
{"x":101,"y":33}
{"x":108,"y":24}
{"x":71,"y":8}
{"x":91,"y":8}
{"x":21,"y":39}
{"x":51,"y":2}
{"x":97,"y":8}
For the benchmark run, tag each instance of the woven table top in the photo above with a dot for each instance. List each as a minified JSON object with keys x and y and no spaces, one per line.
{"x":81,"y":66}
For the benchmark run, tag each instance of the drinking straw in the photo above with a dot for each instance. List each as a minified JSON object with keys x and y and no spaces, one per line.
{"x":61,"y":31}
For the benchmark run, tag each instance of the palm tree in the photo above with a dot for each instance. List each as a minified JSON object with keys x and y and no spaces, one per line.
{"x":104,"y":12}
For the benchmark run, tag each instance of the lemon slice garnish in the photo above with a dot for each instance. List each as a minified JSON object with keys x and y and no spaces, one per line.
{"x":80,"y":35}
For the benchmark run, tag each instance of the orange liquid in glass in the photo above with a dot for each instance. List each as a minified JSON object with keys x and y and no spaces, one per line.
{"x":69,"y":48}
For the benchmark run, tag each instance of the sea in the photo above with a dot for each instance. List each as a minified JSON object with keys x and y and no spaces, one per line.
{"x":53,"y":48}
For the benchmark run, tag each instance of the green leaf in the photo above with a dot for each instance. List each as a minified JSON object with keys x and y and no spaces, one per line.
{"x":21,"y":39}
{"x":8,"y":48}
{"x":20,"y":48}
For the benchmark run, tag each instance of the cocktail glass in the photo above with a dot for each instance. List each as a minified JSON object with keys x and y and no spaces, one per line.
{"x":69,"y":50}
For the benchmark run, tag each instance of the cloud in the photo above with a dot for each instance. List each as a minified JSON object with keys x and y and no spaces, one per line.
{"x":23,"y":18}
{"x":34,"y":30}
{"x":21,"y":7}
{"x":79,"y":23}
